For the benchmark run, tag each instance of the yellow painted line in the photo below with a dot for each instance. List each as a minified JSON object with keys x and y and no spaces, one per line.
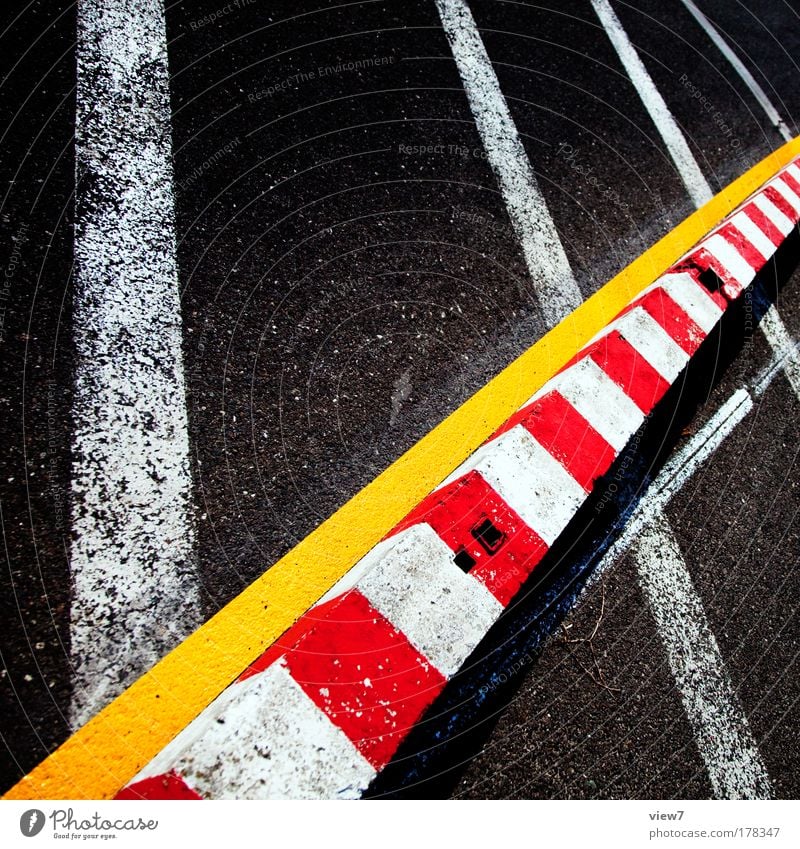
{"x":100,"y":758}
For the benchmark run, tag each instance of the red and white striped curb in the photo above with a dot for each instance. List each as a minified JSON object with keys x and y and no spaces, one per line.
{"x":323,"y":710}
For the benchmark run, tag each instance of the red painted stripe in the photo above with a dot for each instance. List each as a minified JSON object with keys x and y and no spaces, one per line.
{"x":290,"y":638}
{"x":566,"y":434}
{"x":629,"y":369}
{"x":703,"y":260}
{"x":746,"y":248}
{"x":780,"y":201}
{"x":764,"y":224}
{"x":791,"y":182}
{"x":675,"y":322}
{"x":167,"y":786}
{"x":365,"y":676}
{"x":501,"y":554}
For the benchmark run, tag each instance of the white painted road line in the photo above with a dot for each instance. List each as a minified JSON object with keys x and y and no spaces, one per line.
{"x":679,"y":151}
{"x":647,"y":533}
{"x":748,"y":778}
{"x":134,"y":583}
{"x":736,"y":63}
{"x":720,"y":726}
{"x":783,"y":347}
{"x":548,"y":266}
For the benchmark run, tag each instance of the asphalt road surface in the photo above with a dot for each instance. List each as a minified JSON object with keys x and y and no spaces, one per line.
{"x":349,"y":272}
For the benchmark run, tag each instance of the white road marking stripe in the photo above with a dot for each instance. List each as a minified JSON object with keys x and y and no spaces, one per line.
{"x":676,"y":471}
{"x":735,"y":264}
{"x":547,"y":263}
{"x":783,"y":346}
{"x":753,"y":233}
{"x":723,"y":736}
{"x":529,"y":479}
{"x":227,"y":752}
{"x":721,"y":730}
{"x":747,"y":78}
{"x":599,"y":400}
{"x":679,"y":151}
{"x":794,"y":169}
{"x":135,"y":593}
{"x":783,"y":224}
{"x":443,"y":612}
{"x":692,"y":299}
{"x":671,"y":479}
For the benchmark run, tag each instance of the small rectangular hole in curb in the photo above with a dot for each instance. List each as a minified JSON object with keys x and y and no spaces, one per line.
{"x":710,"y":280}
{"x":488,"y":536}
{"x":464,"y":560}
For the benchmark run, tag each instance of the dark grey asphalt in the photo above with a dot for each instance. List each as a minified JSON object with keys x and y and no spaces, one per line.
{"x":342,"y":294}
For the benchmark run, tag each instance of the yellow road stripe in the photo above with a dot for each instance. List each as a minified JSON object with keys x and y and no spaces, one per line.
{"x":100,"y":758}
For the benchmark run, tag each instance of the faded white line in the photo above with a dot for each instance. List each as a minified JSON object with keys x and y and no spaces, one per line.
{"x":678,"y":469}
{"x":648,"y":524}
{"x":723,"y":736}
{"x":647,"y":533}
{"x":547,"y":263}
{"x":673,"y":138}
{"x":747,"y":78}
{"x":783,"y":346}
{"x":134,"y":582}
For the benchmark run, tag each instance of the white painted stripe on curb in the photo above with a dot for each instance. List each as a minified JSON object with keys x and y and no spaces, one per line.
{"x":753,"y":233}
{"x":135,"y":591}
{"x":227,"y":752}
{"x":690,"y":173}
{"x":783,"y":224}
{"x":529,"y":479}
{"x":736,"y":265}
{"x":720,"y":727}
{"x":440,"y":610}
{"x":599,"y":400}
{"x":547,"y":263}
{"x":351,"y":578}
{"x":692,"y":299}
{"x":794,"y":170}
{"x":747,"y":78}
{"x":791,"y":198}
{"x":649,"y":338}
